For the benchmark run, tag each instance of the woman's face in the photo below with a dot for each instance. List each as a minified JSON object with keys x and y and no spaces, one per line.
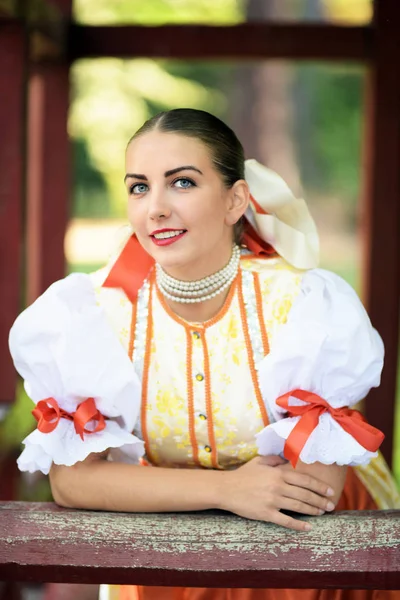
{"x":182,"y":213}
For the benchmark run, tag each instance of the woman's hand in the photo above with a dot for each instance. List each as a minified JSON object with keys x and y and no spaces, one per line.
{"x":258,"y":490}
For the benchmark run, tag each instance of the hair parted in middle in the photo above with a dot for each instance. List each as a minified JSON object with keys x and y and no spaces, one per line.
{"x":226,"y":151}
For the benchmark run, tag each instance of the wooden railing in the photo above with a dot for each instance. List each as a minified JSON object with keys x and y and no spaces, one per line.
{"x":43,"y":542}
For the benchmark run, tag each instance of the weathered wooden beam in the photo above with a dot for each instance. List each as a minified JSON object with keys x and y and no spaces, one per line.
{"x":246,"y":41}
{"x":48,"y":29}
{"x":45,"y":24}
{"x":12,"y":161}
{"x":32,"y":11}
{"x":48,"y":176}
{"x":8,"y":8}
{"x":381,"y":224}
{"x":42,"y":542}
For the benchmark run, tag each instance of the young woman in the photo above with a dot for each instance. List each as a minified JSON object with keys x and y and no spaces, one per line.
{"x":245,"y":356}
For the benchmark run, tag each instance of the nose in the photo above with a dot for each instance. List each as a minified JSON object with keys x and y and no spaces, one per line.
{"x":158,"y":206}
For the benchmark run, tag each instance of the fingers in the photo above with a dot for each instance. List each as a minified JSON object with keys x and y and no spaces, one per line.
{"x":307,"y":498}
{"x":295,"y":505}
{"x":309,"y":483}
{"x":274,"y":488}
{"x":280,"y":519}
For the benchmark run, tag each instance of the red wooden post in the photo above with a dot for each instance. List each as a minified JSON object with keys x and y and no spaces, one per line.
{"x":65,"y":6}
{"x":13,"y":48}
{"x":9,"y":476}
{"x":381,"y":225}
{"x":48,"y":177}
{"x":10,"y":591}
{"x":12,"y":119}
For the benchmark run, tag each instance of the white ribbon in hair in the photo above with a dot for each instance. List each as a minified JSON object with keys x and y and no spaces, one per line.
{"x":288,"y":226}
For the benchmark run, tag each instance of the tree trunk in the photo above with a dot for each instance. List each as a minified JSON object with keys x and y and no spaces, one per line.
{"x":263,"y":114}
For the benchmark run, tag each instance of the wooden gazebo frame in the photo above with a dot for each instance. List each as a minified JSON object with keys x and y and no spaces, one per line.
{"x":38,"y":43}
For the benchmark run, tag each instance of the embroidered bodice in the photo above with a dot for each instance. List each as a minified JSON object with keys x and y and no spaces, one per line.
{"x":201,"y":399}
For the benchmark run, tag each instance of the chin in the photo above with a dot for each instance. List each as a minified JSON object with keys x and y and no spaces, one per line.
{"x":172,"y":262}
{"x":175,"y":264}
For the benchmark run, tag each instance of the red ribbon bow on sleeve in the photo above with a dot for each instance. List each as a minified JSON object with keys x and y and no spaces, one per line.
{"x":48,"y":414}
{"x":351,"y":420}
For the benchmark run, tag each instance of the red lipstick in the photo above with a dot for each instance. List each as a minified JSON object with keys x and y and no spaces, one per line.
{"x":166,"y":241}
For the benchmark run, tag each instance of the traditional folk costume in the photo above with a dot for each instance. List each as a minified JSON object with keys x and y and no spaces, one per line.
{"x":109,"y":365}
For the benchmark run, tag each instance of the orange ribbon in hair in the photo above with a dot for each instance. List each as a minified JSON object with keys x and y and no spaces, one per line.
{"x":351,"y":420}
{"x":255,"y":244}
{"x":252,"y":240}
{"x":48,"y":414}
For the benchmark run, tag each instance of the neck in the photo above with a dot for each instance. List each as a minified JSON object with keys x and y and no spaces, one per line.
{"x":200,"y":268}
{"x":200,"y":290}
{"x":201,"y":299}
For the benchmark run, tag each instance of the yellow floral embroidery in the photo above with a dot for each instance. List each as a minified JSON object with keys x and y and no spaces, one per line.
{"x":230,"y":329}
{"x":182,"y":442}
{"x":222,"y":376}
{"x":162,"y":428}
{"x":246,"y":452}
{"x":169,"y":403}
{"x":281,"y":308}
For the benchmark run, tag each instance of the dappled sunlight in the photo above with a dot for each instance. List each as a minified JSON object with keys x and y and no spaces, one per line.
{"x":159,"y":12}
{"x":354,"y":12}
{"x":152,"y":81}
{"x":111,"y":100}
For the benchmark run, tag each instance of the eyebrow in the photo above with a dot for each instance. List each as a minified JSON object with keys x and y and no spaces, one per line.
{"x":166,"y":174}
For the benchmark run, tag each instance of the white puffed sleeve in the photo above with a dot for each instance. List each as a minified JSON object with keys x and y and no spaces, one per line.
{"x":64,"y":348}
{"x":327,"y":347}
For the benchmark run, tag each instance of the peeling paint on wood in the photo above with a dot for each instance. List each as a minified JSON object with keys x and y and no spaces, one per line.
{"x":43,"y":542}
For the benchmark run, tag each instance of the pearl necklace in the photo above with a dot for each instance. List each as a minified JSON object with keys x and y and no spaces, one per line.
{"x":201,"y":289}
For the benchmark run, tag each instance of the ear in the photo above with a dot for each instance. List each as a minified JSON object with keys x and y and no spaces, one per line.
{"x":238,"y":201}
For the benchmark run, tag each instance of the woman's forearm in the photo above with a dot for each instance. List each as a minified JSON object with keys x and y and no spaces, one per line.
{"x":103,"y":485}
{"x":258,"y":489}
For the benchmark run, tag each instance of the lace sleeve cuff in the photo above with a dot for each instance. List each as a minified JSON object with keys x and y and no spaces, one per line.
{"x":85,"y":390}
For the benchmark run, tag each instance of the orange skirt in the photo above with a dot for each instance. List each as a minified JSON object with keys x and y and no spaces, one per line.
{"x":355,"y":496}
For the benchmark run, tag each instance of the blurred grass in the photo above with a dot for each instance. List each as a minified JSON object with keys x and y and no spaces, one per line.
{"x":84,"y":267}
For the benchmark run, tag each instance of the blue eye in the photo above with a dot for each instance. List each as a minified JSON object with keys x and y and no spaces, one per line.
{"x":184,"y":183}
{"x":138,"y":188}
